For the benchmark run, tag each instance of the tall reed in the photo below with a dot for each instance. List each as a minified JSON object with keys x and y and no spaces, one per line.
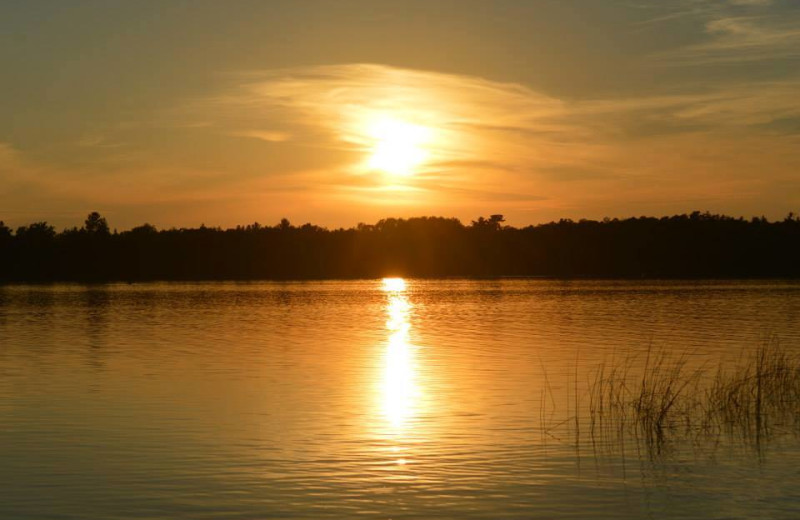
{"x":664,"y":399}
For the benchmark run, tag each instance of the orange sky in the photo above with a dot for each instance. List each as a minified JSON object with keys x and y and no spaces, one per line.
{"x":192,"y":112}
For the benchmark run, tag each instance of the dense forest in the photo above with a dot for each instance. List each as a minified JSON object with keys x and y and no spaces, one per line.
{"x":682,"y":246}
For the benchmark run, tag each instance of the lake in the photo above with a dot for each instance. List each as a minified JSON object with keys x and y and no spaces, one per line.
{"x":374,"y":399}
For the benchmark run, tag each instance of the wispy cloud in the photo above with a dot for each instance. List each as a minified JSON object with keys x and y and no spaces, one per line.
{"x":750,"y":2}
{"x":8,"y":155}
{"x":734,"y":31}
{"x":263,"y":135}
{"x":486,"y":125}
{"x":98,"y":141}
{"x":475,"y":118}
{"x":490,"y":135}
{"x":495,"y":146}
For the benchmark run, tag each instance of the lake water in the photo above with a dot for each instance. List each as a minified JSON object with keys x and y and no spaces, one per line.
{"x":369,"y":399}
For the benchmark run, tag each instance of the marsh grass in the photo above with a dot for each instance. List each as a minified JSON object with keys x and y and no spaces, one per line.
{"x":758,"y":398}
{"x":662,"y":399}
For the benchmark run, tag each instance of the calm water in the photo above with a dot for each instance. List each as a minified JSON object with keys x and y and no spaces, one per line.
{"x":365,"y":399}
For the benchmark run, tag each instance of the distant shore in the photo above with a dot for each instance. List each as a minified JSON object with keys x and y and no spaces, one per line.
{"x":693,"y":246}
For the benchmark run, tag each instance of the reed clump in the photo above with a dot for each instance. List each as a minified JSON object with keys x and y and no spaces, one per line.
{"x":758,"y":397}
{"x":665,"y":399}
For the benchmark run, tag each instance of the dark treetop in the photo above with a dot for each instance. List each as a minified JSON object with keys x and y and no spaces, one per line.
{"x":695,"y":245}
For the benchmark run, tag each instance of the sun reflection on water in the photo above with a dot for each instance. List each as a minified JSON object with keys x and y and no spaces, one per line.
{"x":394,"y":285}
{"x":399,"y":388}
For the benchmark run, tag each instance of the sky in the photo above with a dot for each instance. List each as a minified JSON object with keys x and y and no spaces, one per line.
{"x":178,"y":113}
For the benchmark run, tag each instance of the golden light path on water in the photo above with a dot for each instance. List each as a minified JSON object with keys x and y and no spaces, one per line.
{"x":400,"y":392}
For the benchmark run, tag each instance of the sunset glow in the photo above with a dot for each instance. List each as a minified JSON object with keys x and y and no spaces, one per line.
{"x":422,"y":260}
{"x":399,"y":146}
{"x":394,"y":284}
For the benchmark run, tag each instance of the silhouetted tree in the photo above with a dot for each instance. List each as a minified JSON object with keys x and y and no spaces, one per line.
{"x":96,"y":224}
{"x":493,"y":223}
{"x":144,"y":229}
{"x":6,"y":236}
{"x":40,"y":232}
{"x":690,"y":245}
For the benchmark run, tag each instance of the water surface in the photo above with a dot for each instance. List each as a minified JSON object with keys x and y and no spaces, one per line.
{"x":373,"y":399}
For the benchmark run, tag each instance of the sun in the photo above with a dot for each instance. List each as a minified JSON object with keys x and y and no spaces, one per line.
{"x":398,"y":147}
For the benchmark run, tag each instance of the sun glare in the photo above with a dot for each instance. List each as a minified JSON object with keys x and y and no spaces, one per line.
{"x":394,"y":285}
{"x":400,"y":391}
{"x":398,"y":147}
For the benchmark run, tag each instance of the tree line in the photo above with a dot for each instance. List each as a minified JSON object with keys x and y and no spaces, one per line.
{"x":682,"y":246}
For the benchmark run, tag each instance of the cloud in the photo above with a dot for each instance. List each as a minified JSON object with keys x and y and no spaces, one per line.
{"x":97,"y":141}
{"x":750,"y":2}
{"x":489,"y":136}
{"x":737,"y":31}
{"x":480,"y":130}
{"x":8,"y":156}
{"x":294,"y":142}
{"x":484,"y":124}
{"x":264,"y":135}
{"x":343,"y":98}
{"x":749,"y":38}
